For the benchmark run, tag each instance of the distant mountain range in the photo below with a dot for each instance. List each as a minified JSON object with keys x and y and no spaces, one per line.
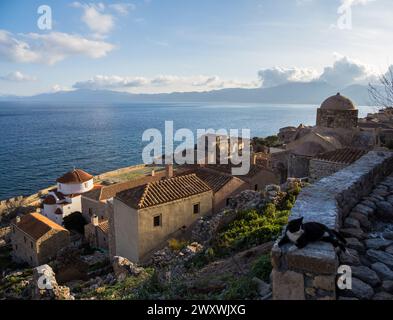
{"x":289,"y":93}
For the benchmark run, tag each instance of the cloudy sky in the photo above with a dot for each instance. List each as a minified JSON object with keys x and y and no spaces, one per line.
{"x":194,"y":45}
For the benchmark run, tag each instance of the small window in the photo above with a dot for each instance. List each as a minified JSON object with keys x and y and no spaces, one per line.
{"x":86,"y":184}
{"x":31,"y":259}
{"x":196,"y":208}
{"x":13,"y":229}
{"x":157,"y":221}
{"x":256,"y":187}
{"x":24,"y":238}
{"x":31,"y":245}
{"x":229,"y":201}
{"x":90,"y":211}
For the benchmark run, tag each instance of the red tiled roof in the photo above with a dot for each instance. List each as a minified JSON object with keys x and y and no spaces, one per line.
{"x":36,"y":225}
{"x":75,"y":176}
{"x":160,"y":192}
{"x":49,"y":200}
{"x":107,"y":192}
{"x":215,"y":180}
{"x":345,"y":155}
{"x":104,"y":226}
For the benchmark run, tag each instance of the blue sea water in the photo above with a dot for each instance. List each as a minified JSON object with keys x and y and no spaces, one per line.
{"x":40,"y":142}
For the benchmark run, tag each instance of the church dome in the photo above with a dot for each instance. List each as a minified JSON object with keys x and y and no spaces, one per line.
{"x":338,"y":102}
{"x":76,"y":176}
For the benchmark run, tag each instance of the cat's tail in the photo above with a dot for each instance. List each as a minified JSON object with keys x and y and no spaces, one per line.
{"x":339,"y":236}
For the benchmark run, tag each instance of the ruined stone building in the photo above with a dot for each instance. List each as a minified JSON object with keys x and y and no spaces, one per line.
{"x":97,"y":233}
{"x":326,"y":164}
{"x":36,"y":239}
{"x":146,"y":216}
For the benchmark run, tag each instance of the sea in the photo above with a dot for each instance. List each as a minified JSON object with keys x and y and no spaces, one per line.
{"x":39,"y":141}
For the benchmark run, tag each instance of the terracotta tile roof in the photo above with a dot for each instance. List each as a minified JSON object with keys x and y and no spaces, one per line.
{"x":345,"y":155}
{"x":108,"y":192}
{"x":75,"y":176}
{"x":160,"y":192}
{"x":36,"y":225}
{"x":227,"y":169}
{"x":104,"y":226}
{"x":49,"y":200}
{"x":215,"y":180}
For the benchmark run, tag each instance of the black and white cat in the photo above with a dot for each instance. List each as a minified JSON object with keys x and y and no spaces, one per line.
{"x":301,"y":234}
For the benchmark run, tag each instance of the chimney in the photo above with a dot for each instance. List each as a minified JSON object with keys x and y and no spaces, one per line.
{"x":153,"y":173}
{"x":17,"y":219}
{"x":94,"y":220}
{"x":253,"y":159}
{"x":169,"y":171}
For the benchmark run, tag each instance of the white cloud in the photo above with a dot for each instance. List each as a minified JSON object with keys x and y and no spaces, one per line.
{"x":122,"y":8}
{"x":161,"y":83}
{"x":49,"y":48}
{"x":58,"y":88}
{"x":17,"y":76}
{"x":350,"y":3}
{"x":94,"y":17}
{"x":278,"y":75}
{"x":98,"y":19}
{"x":346,"y":71}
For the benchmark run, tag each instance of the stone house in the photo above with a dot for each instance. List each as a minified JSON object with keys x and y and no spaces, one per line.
{"x":36,"y":239}
{"x":224,"y":186}
{"x":256,"y":179}
{"x":326,"y":164}
{"x":97,"y":233}
{"x":144,"y":217}
{"x":94,"y":202}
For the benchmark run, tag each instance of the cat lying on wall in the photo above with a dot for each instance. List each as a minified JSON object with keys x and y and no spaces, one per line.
{"x":301,"y":234}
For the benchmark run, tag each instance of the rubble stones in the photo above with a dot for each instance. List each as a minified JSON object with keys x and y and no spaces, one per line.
{"x":124,"y":268}
{"x":382,"y":270}
{"x":367,"y":275}
{"x":45,"y":286}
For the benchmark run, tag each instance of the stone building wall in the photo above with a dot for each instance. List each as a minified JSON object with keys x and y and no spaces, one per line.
{"x":320,"y":169}
{"x":337,"y":118}
{"x":310,"y":273}
{"x":298,"y":166}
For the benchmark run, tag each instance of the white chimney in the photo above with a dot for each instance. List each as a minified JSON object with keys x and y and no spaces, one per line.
{"x":153,"y":173}
{"x":94,"y":220}
{"x":17,"y":219}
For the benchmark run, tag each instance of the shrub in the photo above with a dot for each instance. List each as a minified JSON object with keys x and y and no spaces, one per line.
{"x":262,"y":268}
{"x":177,"y":245}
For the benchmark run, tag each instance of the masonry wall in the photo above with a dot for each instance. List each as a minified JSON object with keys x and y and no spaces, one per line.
{"x":310,"y":273}
{"x":337,"y":118}
{"x":233,"y":187}
{"x":95,"y":207}
{"x":320,"y":169}
{"x":175,"y":215}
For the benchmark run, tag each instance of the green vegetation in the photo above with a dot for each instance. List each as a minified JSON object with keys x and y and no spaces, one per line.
{"x":262,"y":268}
{"x":259,"y":144}
{"x":15,"y":284}
{"x":177,"y":245}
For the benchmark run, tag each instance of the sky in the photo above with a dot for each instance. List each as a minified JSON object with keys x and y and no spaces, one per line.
{"x":151,"y":46}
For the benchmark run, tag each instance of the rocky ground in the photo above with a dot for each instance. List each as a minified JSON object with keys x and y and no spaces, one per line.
{"x":369,"y":233}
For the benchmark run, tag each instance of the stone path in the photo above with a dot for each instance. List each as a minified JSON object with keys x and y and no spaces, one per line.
{"x":369,"y":232}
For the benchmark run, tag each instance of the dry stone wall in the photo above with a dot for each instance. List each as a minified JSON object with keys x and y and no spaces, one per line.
{"x":310,"y":273}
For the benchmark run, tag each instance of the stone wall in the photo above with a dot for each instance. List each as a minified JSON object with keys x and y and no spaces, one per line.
{"x":310,"y":273}
{"x":320,"y":169}
{"x":337,"y":118}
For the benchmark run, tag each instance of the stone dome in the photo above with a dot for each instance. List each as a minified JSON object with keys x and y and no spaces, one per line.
{"x":338,"y":102}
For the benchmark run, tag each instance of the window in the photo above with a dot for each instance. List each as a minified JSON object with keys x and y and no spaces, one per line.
{"x":31,"y":259}
{"x":256,"y":187}
{"x":24,"y":238}
{"x":31,"y":245}
{"x":86,"y":184}
{"x":13,"y":229}
{"x":229,"y":201}
{"x":196,"y":208}
{"x":90,"y":211}
{"x":157,"y":221}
